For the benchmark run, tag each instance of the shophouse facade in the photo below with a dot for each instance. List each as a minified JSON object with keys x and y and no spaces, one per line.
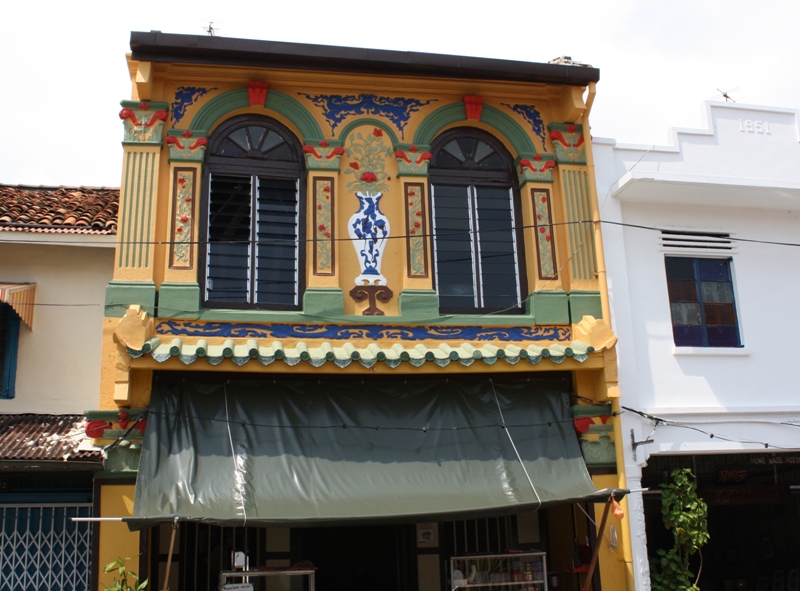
{"x":56,"y":257}
{"x":355,"y":295}
{"x":700,"y":239}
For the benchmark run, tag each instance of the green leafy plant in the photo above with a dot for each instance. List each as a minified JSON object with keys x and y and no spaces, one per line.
{"x":122,"y":574}
{"x":685,"y":515}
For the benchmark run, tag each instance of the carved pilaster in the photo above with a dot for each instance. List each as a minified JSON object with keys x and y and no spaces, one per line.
{"x":186,"y":146}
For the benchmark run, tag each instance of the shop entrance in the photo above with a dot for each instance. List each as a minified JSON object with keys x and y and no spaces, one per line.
{"x":359,"y":558}
{"x":753,"y":518}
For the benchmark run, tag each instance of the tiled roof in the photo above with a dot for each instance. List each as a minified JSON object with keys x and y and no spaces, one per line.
{"x":343,"y":354}
{"x":63,"y":210}
{"x":52,"y":438}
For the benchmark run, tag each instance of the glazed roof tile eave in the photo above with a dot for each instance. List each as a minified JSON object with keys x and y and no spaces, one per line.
{"x":44,"y":438}
{"x":342,"y":356}
{"x":156,"y":46}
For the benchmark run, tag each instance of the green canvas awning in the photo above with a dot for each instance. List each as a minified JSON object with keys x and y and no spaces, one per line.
{"x":303,"y":453}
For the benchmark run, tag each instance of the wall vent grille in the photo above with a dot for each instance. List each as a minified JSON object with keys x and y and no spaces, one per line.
{"x":706,"y":241}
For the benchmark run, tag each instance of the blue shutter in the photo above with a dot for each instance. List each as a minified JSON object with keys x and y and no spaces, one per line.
{"x":10,"y":361}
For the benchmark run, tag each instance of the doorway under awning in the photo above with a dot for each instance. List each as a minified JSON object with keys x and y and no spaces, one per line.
{"x":344,"y":452}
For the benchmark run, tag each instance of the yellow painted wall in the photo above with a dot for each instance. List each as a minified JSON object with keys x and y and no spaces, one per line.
{"x":116,"y":540}
{"x":611,"y":561}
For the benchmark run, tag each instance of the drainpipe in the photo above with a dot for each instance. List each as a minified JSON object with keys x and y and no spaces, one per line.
{"x":611,"y":386}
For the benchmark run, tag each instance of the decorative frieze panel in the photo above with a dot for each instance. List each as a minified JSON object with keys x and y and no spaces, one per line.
{"x":416,"y":231}
{"x":143,"y":122}
{"x":568,"y":143}
{"x":593,"y":424}
{"x":538,"y":168}
{"x":186,"y":146}
{"x":543,"y":225}
{"x":336,"y":108}
{"x":183,"y":200}
{"x":412,"y":161}
{"x":532,"y":117}
{"x":323,"y":156}
{"x":324,"y":228}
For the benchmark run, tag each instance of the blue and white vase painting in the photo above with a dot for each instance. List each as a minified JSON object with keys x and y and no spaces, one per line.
{"x":369,"y":230}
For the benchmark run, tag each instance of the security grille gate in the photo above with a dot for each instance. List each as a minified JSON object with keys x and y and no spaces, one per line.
{"x":41,"y":549}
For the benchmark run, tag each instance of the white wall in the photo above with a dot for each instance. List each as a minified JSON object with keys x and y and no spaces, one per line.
{"x":732,"y":177}
{"x":58,"y":367}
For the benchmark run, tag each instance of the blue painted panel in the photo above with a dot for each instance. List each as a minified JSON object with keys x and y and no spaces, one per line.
{"x":363,"y":331}
{"x":11,"y":345}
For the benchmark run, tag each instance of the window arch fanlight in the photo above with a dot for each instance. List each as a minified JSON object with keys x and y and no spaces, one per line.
{"x":477,"y":235}
{"x":253,"y":182}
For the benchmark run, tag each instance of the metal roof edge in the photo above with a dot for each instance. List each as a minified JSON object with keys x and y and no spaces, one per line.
{"x":156,"y":46}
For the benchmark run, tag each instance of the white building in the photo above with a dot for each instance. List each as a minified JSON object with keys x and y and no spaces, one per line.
{"x":701,"y":243}
{"x":56,"y":258}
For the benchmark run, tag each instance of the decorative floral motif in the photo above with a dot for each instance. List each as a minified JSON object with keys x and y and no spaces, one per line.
{"x":543,"y":226}
{"x":369,"y":154}
{"x":324,"y":236}
{"x":531,"y":114}
{"x":416,"y":242}
{"x":185,"y":96}
{"x":369,"y":227}
{"x":182,"y":223}
{"x":373,"y":332}
{"x":567,"y":141}
{"x":143,"y":124}
{"x":336,"y":108}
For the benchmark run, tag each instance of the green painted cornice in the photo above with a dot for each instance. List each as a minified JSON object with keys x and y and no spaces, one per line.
{"x":491,"y":116}
{"x":218,"y":107}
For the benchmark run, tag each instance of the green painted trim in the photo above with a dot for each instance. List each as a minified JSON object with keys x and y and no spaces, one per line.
{"x":177,"y":300}
{"x":111,"y":415}
{"x":218,"y":107}
{"x":418,"y":303}
{"x":584,"y":303}
{"x":119,"y":478}
{"x":151,"y":105}
{"x":550,"y":307}
{"x":295,"y":112}
{"x":438,"y":120}
{"x":513,"y":131}
{"x":323,"y":301}
{"x":369,"y":121}
{"x":121,"y":294}
{"x":505,"y":125}
{"x":590,"y":410}
{"x":122,"y":460}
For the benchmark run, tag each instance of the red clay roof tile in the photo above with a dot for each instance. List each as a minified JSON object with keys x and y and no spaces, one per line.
{"x":67,"y":210}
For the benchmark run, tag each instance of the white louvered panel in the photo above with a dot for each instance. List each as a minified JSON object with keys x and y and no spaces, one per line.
{"x":710,"y":242}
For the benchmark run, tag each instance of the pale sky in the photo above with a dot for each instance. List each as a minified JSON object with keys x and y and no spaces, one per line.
{"x":64,"y":72}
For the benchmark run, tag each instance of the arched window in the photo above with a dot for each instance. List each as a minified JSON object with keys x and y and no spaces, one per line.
{"x":254,"y":255}
{"x":476,"y":235}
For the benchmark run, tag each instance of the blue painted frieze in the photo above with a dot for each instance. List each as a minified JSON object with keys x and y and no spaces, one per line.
{"x":363,"y":331}
{"x":185,"y":96}
{"x":336,"y":108}
{"x":533,"y":117}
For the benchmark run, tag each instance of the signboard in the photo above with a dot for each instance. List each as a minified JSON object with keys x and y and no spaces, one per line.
{"x":238,"y":587}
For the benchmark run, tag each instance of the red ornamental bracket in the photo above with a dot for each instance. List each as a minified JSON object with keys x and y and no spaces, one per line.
{"x":174,"y":141}
{"x":157,"y":116}
{"x":525,"y":163}
{"x":557,"y":136}
{"x":473,"y":105}
{"x":257,"y":93}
